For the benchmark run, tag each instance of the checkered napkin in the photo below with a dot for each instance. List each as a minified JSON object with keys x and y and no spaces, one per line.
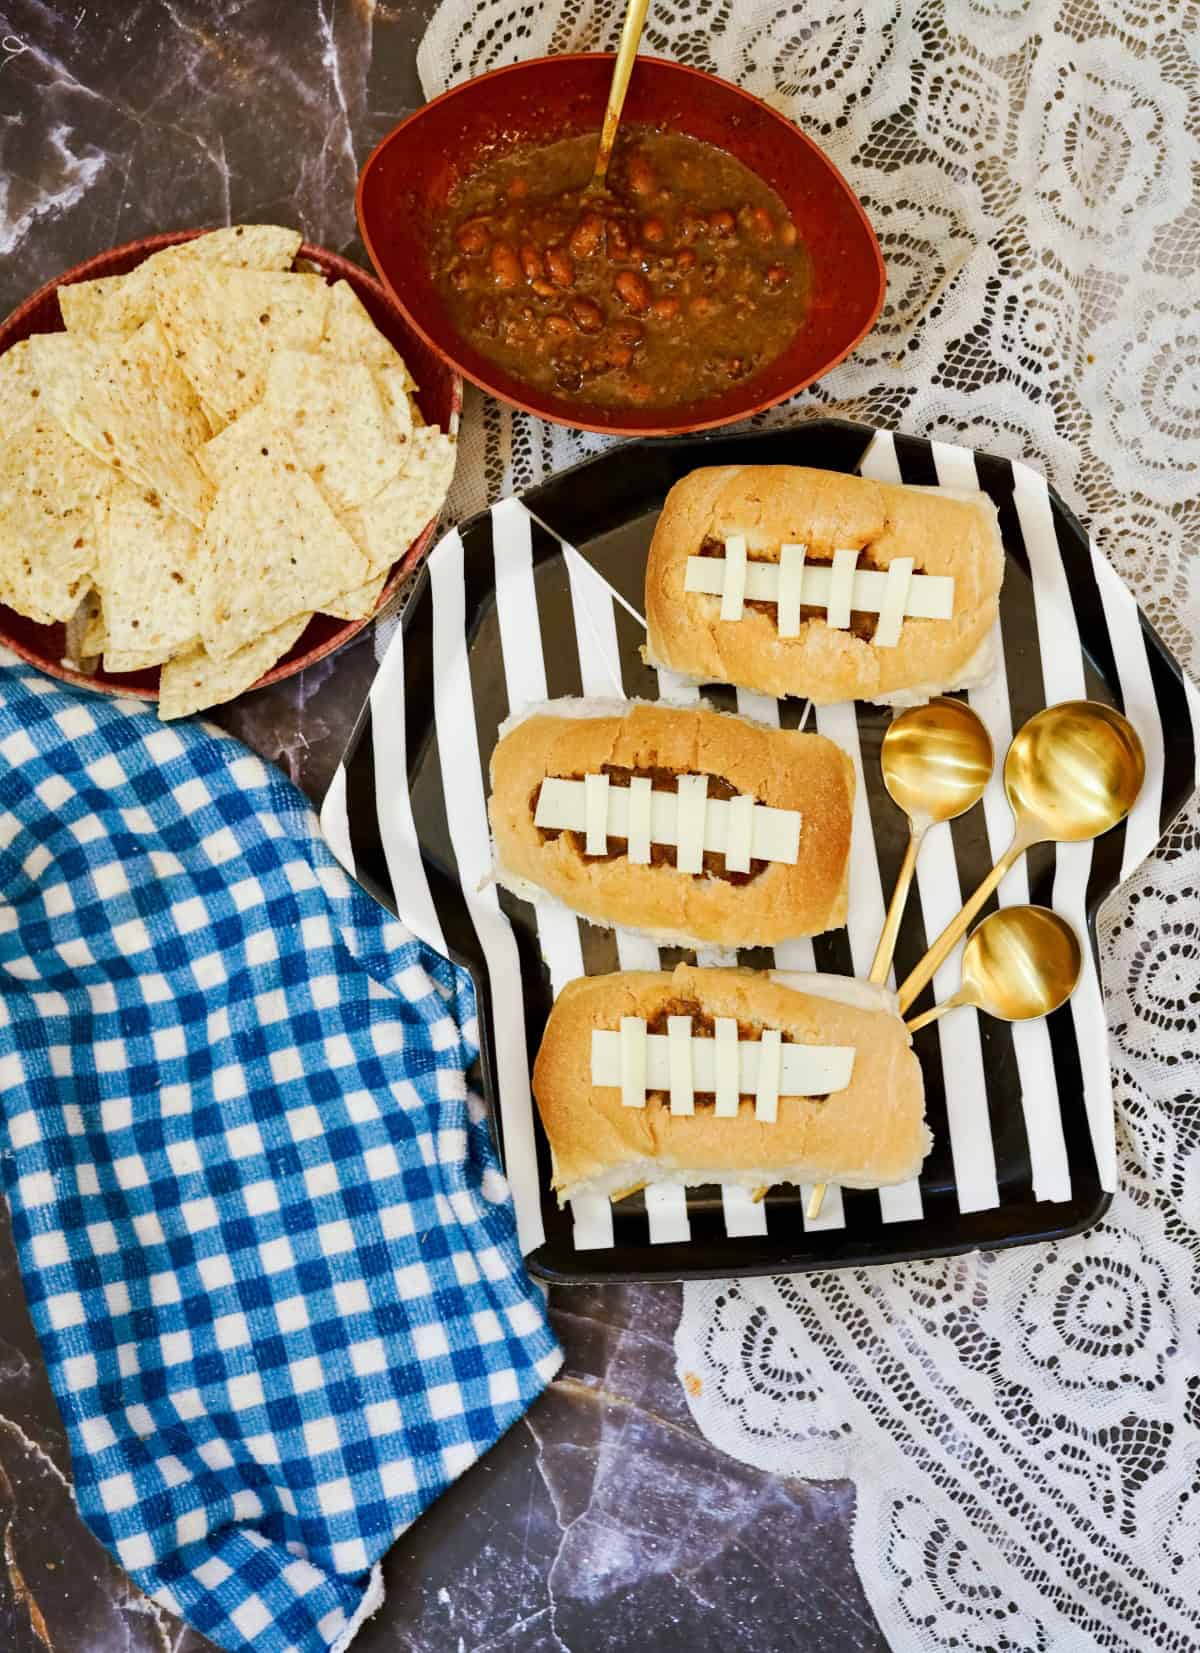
{"x":266,"y":1246}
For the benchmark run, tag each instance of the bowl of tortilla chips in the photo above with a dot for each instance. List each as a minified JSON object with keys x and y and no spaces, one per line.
{"x":225,"y":453}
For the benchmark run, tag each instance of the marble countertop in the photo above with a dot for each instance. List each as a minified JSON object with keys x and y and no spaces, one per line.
{"x":604,"y":1517}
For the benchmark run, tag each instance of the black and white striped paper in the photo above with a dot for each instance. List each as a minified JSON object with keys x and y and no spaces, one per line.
{"x":508,"y":614}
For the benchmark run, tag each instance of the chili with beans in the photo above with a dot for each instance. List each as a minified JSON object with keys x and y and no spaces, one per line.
{"x":683,"y":276}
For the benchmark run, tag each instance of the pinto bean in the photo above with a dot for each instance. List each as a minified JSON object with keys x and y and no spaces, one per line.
{"x":654,"y":231}
{"x":762,"y":224}
{"x":588,"y":317}
{"x":629,"y":333}
{"x":685,"y":260}
{"x":544,"y":289}
{"x":586,"y":236}
{"x":788,"y":233}
{"x":558,"y":326}
{"x":666,"y":309}
{"x":531,"y":262}
{"x":616,"y":240}
{"x":633,"y":290}
{"x":505,"y":265}
{"x":472,"y":237}
{"x":559,"y":266}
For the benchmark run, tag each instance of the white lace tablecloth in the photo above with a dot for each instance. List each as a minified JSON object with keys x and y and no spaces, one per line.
{"x":1023,"y":1428}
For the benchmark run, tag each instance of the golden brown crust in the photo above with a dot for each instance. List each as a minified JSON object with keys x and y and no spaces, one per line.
{"x":774,"y":505}
{"x":870,"y":1134}
{"x":779,"y":767}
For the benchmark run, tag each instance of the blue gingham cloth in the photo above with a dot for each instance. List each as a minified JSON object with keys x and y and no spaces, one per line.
{"x":267,"y":1248}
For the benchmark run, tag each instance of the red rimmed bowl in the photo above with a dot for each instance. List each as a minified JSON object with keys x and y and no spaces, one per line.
{"x":439,"y":397}
{"x":407,"y":180}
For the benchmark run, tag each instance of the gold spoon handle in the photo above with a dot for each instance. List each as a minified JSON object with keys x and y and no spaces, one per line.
{"x":957,"y":927}
{"x":927,"y":1016}
{"x":631,"y":34}
{"x":882,"y":962}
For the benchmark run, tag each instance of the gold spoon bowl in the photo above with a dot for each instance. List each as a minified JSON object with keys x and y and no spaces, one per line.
{"x":1021,"y":963}
{"x":1074,"y":771}
{"x":936,"y":761}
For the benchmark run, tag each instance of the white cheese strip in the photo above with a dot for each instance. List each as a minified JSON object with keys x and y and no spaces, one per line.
{"x":744,"y":1215}
{"x":766,"y":1090}
{"x":930,"y":596}
{"x":789,"y":589}
{"x":593,"y":1222}
{"x":804,"y":1070}
{"x":725,"y":1037}
{"x":775,"y":833}
{"x":632,"y":1039}
{"x":740,"y":841}
{"x":667,"y":1213}
{"x":690,"y":822}
{"x":679,"y":1057}
{"x":891,"y":615}
{"x":595,"y":813}
{"x":841,"y":590}
{"x":733,"y":592}
{"x":637,"y":830}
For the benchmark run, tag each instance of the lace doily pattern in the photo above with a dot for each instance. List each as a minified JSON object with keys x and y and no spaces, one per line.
{"x":1024,"y":1427}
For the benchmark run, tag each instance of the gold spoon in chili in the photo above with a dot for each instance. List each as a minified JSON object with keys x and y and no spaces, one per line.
{"x":631,"y":34}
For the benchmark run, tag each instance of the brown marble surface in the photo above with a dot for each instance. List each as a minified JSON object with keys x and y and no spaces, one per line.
{"x":604,"y":1521}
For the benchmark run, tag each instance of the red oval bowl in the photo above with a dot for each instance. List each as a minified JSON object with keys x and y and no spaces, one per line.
{"x":439,"y":397}
{"x":408,"y":178}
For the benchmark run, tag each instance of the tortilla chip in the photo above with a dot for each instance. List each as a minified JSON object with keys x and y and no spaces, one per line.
{"x":225,"y":325}
{"x":49,"y":487}
{"x":147,"y":570}
{"x":76,"y":651}
{"x":96,"y":632}
{"x":387,"y":525}
{"x":63,"y":363}
{"x":271,"y":547}
{"x":335,"y":419}
{"x":193,"y":681}
{"x":120,"y":660}
{"x":20,"y":386}
{"x":351,"y":335}
{"x":256,"y":429}
{"x":360,"y":603}
{"x":135,"y":410}
{"x":122,"y":303}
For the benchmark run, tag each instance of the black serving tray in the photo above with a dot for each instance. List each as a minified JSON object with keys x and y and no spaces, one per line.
{"x":1057,"y":597}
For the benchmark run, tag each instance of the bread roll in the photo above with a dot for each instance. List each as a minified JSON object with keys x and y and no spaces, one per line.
{"x":944,"y":532}
{"x":867,"y":1135}
{"x":781,"y":769}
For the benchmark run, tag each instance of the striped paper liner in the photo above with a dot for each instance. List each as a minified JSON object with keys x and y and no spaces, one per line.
{"x":508,"y":614}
